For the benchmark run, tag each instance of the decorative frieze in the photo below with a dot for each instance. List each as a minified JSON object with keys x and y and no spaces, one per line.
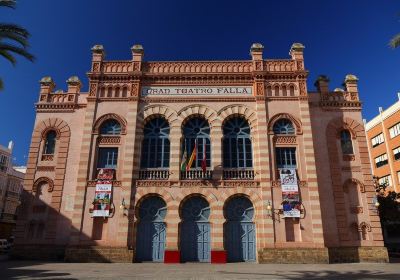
{"x":280,"y":139}
{"x":45,"y":168}
{"x":109,"y":140}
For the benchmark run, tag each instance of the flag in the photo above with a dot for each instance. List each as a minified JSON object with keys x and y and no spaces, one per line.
{"x":204,"y":161}
{"x":184,"y":159}
{"x":192,"y":157}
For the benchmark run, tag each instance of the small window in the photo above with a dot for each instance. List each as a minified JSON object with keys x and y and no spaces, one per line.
{"x":377,"y":140}
{"x":385,"y":180}
{"x":50,"y":143}
{"x":285,"y":157}
{"x":283,"y":126}
{"x":396,"y":153}
{"x":3,"y":162}
{"x":398,"y":175}
{"x":394,"y":130}
{"x":345,"y":142}
{"x":110,"y":127}
{"x":107,"y":158}
{"x":381,"y":160}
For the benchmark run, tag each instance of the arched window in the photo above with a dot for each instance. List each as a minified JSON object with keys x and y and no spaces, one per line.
{"x":291,"y":89}
{"x":110,"y":127}
{"x":197,"y":131}
{"x":237,"y":144}
{"x":50,"y":144}
{"x":283,"y":126}
{"x":345,"y":142}
{"x":155,"y":148}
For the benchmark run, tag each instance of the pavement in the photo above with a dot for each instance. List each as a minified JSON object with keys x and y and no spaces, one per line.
{"x":72,"y":271}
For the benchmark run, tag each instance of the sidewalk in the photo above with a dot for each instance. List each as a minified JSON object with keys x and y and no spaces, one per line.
{"x":37,"y":270}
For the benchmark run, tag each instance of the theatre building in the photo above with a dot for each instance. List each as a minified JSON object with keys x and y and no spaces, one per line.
{"x":199,"y":161}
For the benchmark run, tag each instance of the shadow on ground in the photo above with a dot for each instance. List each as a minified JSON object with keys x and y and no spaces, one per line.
{"x":24,"y":270}
{"x":323,"y":274}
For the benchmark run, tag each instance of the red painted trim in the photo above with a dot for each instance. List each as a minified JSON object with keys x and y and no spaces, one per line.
{"x":218,"y":257}
{"x":172,"y":256}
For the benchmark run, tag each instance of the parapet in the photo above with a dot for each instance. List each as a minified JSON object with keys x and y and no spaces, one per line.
{"x":49,"y":95}
{"x":339,"y":97}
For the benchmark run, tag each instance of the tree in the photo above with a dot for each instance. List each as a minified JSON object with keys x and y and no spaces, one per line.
{"x":388,"y":202}
{"x":13,"y":39}
{"x":395,"y":42}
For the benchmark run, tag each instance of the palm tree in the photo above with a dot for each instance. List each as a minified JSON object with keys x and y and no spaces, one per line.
{"x":13,"y":39}
{"x":395,"y":42}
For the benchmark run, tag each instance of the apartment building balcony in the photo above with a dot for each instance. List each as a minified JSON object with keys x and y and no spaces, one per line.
{"x":154,"y":174}
{"x":238,"y":174}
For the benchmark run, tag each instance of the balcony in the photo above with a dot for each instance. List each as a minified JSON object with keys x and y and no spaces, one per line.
{"x":196,"y":175}
{"x":154,"y":174}
{"x":238,"y":174}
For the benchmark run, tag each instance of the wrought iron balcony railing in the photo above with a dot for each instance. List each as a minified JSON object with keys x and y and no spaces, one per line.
{"x":196,"y":174}
{"x":154,"y":174}
{"x":238,"y":174}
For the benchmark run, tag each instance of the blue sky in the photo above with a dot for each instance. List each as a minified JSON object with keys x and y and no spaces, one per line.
{"x":341,"y":37}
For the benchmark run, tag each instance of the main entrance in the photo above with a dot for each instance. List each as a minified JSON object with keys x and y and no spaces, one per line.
{"x":151,"y":232}
{"x":239,"y":230}
{"x":195,"y":230}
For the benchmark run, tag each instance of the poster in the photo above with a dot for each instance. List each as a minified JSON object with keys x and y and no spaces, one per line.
{"x":105,"y":174}
{"x":102,"y":199}
{"x":289,"y":180}
{"x":291,"y":203}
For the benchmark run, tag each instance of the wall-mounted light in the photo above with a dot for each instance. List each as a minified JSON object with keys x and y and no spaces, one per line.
{"x":124,"y":207}
{"x":271,"y":212}
{"x":375,"y":201}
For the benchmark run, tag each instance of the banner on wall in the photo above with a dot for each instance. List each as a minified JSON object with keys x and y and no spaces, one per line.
{"x":291,"y":204}
{"x":290,"y":193}
{"x":105,"y":174}
{"x":289,"y":180}
{"x":102,"y":199}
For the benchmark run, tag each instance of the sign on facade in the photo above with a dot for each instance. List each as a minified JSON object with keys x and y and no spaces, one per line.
{"x":102,"y":194}
{"x":185,"y":91}
{"x":290,"y":193}
{"x":102,"y":199}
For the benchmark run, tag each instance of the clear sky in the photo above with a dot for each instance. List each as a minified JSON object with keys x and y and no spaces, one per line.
{"x":341,"y":37}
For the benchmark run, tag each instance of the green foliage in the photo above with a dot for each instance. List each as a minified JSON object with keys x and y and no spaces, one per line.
{"x":13,"y":39}
{"x":389,"y":203}
{"x":395,"y":42}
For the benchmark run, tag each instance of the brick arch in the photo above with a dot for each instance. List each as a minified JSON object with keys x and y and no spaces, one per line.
{"x":239,"y":195}
{"x":335,"y":126}
{"x":43,"y":180}
{"x":144,"y":197}
{"x":254,"y":197}
{"x":161,"y":192}
{"x":296,"y":122}
{"x":102,"y":119}
{"x":158,"y":110}
{"x":238,"y":110}
{"x":198,"y":109}
{"x":207,"y":195}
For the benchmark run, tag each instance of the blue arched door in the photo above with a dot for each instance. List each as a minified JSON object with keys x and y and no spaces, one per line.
{"x":239,"y":230}
{"x":151,"y":231}
{"x":195,"y":230}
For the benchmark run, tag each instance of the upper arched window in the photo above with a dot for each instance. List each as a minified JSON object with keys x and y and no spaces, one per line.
{"x":50,"y":142}
{"x":345,"y":142}
{"x":283,"y":126}
{"x":237,"y":144}
{"x":155,"y":148}
{"x":196,"y":133}
{"x":111,"y":127}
